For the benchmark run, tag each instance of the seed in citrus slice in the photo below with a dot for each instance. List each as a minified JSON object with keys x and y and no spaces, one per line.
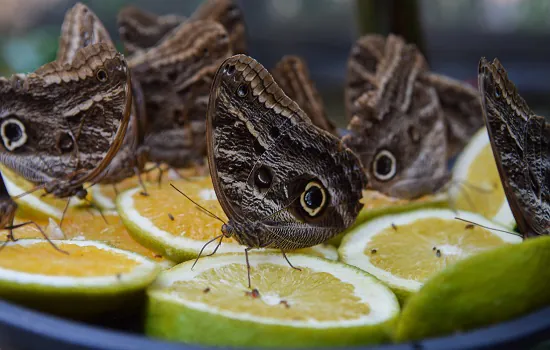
{"x":377,"y":204}
{"x":325,"y":304}
{"x":91,"y":279}
{"x":477,"y":186}
{"x":404,"y":250}
{"x":171,"y":225}
{"x":35,"y":205}
{"x":488,"y":288}
{"x":89,"y":225}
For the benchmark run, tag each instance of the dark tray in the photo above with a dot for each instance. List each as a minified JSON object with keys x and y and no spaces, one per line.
{"x":22,"y":329}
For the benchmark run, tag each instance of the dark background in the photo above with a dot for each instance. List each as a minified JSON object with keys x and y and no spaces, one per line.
{"x":453,"y":34}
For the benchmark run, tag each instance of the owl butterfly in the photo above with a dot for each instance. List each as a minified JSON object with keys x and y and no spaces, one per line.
{"x":175,"y":76}
{"x":292,"y":75}
{"x":282,"y":182}
{"x":8,"y":208}
{"x":140,"y":30}
{"x":61,"y":125}
{"x":397,"y":127}
{"x":521,"y":145}
{"x":80,"y":29}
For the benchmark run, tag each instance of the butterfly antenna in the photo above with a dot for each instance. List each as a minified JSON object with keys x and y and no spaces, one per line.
{"x":204,"y":246}
{"x":487,"y":227}
{"x":200,"y":207}
{"x":32,"y":190}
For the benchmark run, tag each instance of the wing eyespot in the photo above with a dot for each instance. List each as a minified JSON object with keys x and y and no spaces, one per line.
{"x":101,"y":75}
{"x":313,"y":199}
{"x":242,"y":90}
{"x":13,"y":133}
{"x":384,"y":166}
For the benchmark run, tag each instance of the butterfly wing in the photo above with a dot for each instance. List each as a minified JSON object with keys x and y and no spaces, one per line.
{"x":461,"y":109}
{"x":175,"y":76}
{"x":521,"y":145}
{"x":396,"y":125}
{"x":66,"y":119}
{"x":228,"y":13}
{"x":81,"y":28}
{"x":140,"y":30}
{"x":292,"y":75}
{"x":264,"y":152}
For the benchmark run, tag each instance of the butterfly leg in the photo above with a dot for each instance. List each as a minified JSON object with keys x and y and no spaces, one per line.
{"x":64,"y":212}
{"x":115,"y":189}
{"x":141,"y":183}
{"x":12,"y":238}
{"x":288,"y":261}
{"x":248,"y":266}
{"x":161,"y":174}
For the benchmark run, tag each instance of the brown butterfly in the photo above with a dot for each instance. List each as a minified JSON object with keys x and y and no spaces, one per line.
{"x":282,"y":182}
{"x":397,"y":124}
{"x":292,"y":75}
{"x":175,"y":76}
{"x":521,"y":145}
{"x":81,"y":28}
{"x":140,"y":30}
{"x":62,"y":125}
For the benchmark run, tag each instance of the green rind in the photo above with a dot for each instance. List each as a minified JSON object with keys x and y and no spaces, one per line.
{"x":174,"y":321}
{"x":487,"y":288}
{"x":369,"y":214}
{"x":146,"y":239}
{"x":78,"y":301}
{"x":169,"y":320}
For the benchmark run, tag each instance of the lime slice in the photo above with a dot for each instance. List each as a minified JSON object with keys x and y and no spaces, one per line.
{"x":325,"y":304}
{"x":477,"y":186}
{"x":171,"y":225}
{"x":89,"y":225}
{"x":406,"y":249}
{"x":91,"y":279}
{"x":34,"y":205}
{"x":377,"y":204}
{"x":490,"y":287}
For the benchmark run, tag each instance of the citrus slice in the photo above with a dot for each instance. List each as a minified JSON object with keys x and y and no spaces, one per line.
{"x":91,"y":279}
{"x":326,"y":303}
{"x":89,"y":225}
{"x":404,"y":250}
{"x":477,"y":186}
{"x":35,"y":205}
{"x":487,"y":288}
{"x":377,"y":204}
{"x":171,"y":225}
{"x":104,"y":195}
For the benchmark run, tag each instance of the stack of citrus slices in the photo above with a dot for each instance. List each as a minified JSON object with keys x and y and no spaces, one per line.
{"x":399,"y":261}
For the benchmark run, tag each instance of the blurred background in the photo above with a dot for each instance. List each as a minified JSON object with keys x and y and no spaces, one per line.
{"x":453,"y":34}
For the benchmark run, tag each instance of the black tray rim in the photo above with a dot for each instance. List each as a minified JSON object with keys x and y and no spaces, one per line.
{"x":23,"y":328}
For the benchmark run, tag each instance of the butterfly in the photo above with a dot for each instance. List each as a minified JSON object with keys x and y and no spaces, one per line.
{"x":521,"y":145}
{"x":61,"y":125}
{"x":282,"y":182}
{"x":397,"y":125}
{"x":141,"y":30}
{"x":81,"y":28}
